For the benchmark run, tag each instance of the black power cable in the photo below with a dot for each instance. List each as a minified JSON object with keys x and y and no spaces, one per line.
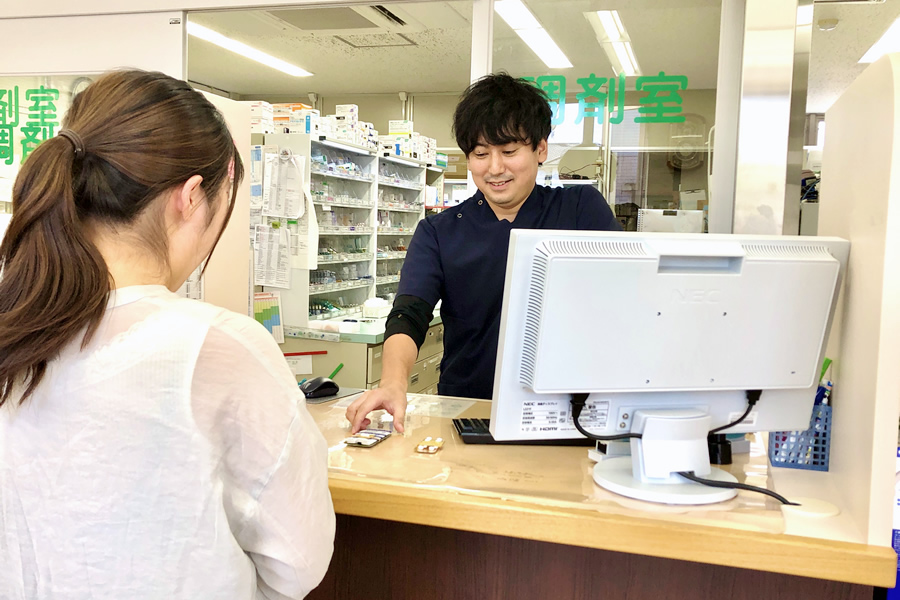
{"x":578,"y":402}
{"x":752,"y":399}
{"x":733,"y":485}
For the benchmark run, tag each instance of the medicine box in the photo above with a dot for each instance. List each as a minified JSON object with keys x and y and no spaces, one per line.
{"x":400,"y":127}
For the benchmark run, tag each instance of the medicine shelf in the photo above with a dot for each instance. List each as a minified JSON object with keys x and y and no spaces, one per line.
{"x":353,"y":258}
{"x":401,"y":185}
{"x":352,"y":230}
{"x":349,"y":312}
{"x":369,"y":179}
{"x":398,"y":209}
{"x":338,"y":286}
{"x":342,"y":145}
{"x":343,"y":203}
{"x":402,"y":160}
{"x":387,"y":279}
{"x":393,"y":256}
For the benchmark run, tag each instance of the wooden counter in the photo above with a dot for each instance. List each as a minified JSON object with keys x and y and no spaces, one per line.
{"x":506,"y":495}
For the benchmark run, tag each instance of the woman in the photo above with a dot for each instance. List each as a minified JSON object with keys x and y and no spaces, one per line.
{"x":150,"y":446}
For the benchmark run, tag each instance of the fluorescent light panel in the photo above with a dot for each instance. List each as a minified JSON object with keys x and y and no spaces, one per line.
{"x":520,"y":19}
{"x":614,"y":40}
{"x":889,"y":42}
{"x":613,"y":32}
{"x":546,"y":49}
{"x":516,"y":14}
{"x":214,"y":37}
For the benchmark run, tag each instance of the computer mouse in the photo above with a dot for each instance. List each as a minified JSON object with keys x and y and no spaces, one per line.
{"x":317,"y":387}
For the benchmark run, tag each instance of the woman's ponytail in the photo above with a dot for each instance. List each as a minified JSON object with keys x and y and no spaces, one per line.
{"x":53,"y":280}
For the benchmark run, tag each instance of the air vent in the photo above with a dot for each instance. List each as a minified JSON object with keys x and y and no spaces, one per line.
{"x":533,"y":317}
{"x":379,"y":40}
{"x":591,"y":248}
{"x":388,"y":15}
{"x":785,"y":251}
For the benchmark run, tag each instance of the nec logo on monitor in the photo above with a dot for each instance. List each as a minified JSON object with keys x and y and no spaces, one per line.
{"x":696,"y":296}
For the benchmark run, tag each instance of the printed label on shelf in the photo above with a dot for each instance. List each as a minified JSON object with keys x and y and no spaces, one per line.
{"x":273,"y":256}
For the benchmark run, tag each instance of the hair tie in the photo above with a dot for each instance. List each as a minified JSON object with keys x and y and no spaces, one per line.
{"x":75,"y":140}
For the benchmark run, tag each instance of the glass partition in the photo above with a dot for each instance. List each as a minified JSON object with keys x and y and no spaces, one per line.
{"x":633,"y":88}
{"x":31,"y":111}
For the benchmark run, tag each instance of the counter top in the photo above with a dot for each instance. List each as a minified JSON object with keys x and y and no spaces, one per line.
{"x":547,"y":494}
{"x":370,"y":331}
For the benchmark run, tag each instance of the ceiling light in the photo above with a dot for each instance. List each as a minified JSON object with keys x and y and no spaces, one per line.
{"x":889,"y":42}
{"x":520,"y":19}
{"x":546,"y":49}
{"x":516,"y":14}
{"x":244,"y":50}
{"x":614,"y":40}
{"x":609,"y":24}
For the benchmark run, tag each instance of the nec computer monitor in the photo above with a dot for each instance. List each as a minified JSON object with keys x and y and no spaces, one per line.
{"x":676,"y":327}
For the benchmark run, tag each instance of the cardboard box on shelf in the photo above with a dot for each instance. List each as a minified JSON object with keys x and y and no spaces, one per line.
{"x":259,"y":109}
{"x":286,"y":108}
{"x":262,"y":124}
{"x":402,"y":126}
{"x":347,"y":112}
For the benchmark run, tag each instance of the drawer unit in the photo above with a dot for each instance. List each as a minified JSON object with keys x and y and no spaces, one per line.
{"x":423,"y":378}
{"x":433,"y":345}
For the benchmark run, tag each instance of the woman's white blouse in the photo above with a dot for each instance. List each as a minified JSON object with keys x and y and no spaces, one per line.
{"x":171,"y":458}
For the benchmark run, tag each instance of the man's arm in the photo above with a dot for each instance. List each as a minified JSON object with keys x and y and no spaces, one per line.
{"x":405,"y":331}
{"x":594,"y":213}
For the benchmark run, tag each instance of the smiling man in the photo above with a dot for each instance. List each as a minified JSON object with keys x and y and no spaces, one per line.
{"x":459,"y":256}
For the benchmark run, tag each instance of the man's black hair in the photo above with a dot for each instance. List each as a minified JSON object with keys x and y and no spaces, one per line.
{"x":500,"y":109}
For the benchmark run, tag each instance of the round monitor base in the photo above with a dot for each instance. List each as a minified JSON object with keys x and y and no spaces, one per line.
{"x":615,"y":475}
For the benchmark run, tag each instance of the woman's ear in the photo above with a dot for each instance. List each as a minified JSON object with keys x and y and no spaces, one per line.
{"x":187,"y":197}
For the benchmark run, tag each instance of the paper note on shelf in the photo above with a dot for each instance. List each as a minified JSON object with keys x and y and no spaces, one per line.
{"x":271,"y":176}
{"x":267,"y":310}
{"x":294,"y":206}
{"x":300,"y":365}
{"x":284,"y":185}
{"x":273,"y":256}
{"x":306,"y":239}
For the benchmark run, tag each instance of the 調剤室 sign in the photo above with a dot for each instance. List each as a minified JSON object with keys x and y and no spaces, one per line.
{"x":660,"y":104}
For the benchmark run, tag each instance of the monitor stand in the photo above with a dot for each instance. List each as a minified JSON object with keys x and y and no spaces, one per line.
{"x":672,"y":441}
{"x":615,"y":475}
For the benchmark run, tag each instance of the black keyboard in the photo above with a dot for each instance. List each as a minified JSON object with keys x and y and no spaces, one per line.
{"x":477,"y":431}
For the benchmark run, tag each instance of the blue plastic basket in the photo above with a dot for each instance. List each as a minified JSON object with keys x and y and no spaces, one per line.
{"x":804,"y":449}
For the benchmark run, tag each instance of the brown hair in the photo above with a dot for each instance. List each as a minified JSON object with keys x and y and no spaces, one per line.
{"x":143,"y":134}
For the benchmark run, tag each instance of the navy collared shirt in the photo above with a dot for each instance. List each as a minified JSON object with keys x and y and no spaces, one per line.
{"x":459,"y":256}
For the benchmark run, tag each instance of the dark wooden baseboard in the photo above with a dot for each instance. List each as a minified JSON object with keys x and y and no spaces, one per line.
{"x":377,"y":560}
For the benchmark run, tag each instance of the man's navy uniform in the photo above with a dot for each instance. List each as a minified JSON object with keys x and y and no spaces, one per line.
{"x":459,"y":257}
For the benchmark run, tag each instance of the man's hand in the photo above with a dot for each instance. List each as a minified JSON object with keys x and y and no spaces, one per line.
{"x":391,"y":398}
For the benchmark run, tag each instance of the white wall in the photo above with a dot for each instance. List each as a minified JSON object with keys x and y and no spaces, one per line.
{"x":92,"y":44}
{"x":860,"y":201}
{"x":47,"y":8}
{"x":433,"y":116}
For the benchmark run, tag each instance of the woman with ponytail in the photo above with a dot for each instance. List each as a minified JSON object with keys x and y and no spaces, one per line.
{"x":151,"y":447}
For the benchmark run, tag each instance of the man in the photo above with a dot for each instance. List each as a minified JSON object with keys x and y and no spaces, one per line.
{"x":459,"y":256}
